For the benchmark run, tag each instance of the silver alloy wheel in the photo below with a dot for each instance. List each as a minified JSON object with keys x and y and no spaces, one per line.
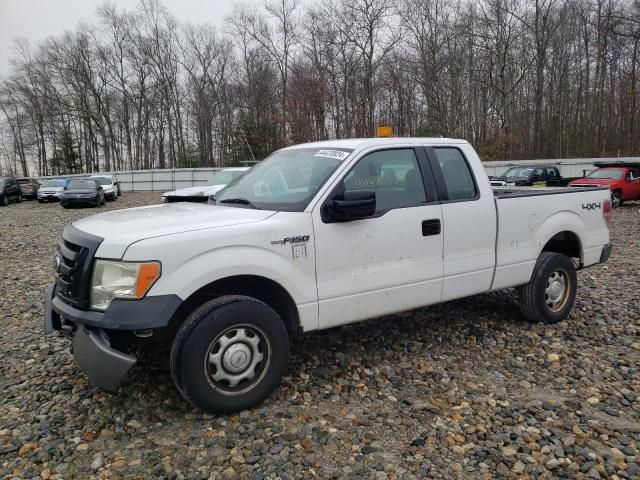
{"x":237,"y":359}
{"x":557,"y":290}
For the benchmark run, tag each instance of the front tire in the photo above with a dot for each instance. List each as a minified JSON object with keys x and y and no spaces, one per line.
{"x":551,"y":292}
{"x":229,"y":354}
{"x":616,"y":199}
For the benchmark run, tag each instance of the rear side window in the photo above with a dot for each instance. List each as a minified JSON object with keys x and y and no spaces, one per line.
{"x":456,"y":173}
{"x":393,"y":175}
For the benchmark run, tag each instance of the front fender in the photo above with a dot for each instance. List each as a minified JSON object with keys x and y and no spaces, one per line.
{"x":225,"y":262}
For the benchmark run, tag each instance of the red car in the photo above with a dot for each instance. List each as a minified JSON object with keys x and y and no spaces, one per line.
{"x":623,"y":181}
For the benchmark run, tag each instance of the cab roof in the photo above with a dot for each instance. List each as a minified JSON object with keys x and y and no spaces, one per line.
{"x":354,"y":143}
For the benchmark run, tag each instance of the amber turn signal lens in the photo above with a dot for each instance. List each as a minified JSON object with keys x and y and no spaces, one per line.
{"x":147,"y":275}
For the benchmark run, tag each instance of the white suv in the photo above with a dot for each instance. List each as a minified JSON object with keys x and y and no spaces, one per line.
{"x":110,"y":186}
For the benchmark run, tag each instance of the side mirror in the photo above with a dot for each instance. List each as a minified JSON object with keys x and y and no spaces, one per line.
{"x":351,"y":205}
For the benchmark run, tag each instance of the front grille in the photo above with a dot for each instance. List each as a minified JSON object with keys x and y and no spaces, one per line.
{"x":74,"y":265}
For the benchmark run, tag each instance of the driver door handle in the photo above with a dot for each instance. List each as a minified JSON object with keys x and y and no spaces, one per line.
{"x":431,"y":227}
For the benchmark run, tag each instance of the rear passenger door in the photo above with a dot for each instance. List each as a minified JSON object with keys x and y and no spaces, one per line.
{"x":391,"y":261}
{"x":469,"y":219}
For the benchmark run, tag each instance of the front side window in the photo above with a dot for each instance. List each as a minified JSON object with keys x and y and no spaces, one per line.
{"x":538,"y":173}
{"x":286,"y":181}
{"x":393,"y":175}
{"x":457,"y":175}
{"x":551,"y":173}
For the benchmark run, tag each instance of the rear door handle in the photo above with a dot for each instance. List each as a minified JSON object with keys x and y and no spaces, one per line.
{"x":431,"y":227}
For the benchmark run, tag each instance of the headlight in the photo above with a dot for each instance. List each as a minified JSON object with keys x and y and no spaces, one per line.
{"x":113,"y":279}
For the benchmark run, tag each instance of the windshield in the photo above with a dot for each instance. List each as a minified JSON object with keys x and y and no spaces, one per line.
{"x":287,"y":180}
{"x":23,"y":181}
{"x":224,"y":177}
{"x":518,"y":172}
{"x":52,"y":183}
{"x":103,"y":180}
{"x":81,"y":184}
{"x":607,"y":173}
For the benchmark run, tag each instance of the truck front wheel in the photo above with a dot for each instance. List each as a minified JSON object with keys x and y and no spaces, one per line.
{"x":616,"y":199}
{"x":549,"y":295}
{"x":230,"y":354}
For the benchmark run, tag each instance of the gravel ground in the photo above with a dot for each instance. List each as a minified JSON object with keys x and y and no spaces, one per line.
{"x":467,"y":389}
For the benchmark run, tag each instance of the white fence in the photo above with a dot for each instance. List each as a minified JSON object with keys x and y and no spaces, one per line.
{"x":162,"y":180}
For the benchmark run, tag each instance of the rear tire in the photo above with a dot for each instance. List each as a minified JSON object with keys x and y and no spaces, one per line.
{"x":19,"y":199}
{"x":5,"y":201}
{"x":229,"y":354}
{"x":551,"y":292}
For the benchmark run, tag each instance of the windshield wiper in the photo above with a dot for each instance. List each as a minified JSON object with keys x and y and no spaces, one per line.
{"x":239,"y":201}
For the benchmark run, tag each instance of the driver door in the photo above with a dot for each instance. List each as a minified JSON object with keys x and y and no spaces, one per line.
{"x":390,"y":261}
{"x":633,"y":186}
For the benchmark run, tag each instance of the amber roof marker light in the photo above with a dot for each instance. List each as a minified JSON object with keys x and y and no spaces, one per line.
{"x":385,"y":131}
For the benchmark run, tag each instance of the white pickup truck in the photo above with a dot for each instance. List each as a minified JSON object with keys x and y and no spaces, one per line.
{"x":315,"y":236}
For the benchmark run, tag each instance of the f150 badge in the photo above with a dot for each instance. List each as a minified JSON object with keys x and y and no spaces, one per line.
{"x":298,"y":245}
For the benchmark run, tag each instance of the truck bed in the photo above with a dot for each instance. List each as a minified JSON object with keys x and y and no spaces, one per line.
{"x":517,"y":192}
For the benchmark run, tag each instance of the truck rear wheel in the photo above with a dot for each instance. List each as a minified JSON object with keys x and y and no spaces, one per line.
{"x":549,"y":295}
{"x":229,"y":354}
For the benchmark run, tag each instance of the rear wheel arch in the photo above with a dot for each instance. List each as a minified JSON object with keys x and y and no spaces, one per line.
{"x":567,"y":243}
{"x":260,"y":288}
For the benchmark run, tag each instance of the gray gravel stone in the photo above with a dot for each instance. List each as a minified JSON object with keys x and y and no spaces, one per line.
{"x":467,"y":389}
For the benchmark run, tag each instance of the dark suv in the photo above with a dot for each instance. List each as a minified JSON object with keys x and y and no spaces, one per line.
{"x":29,"y":187}
{"x":9,"y":191}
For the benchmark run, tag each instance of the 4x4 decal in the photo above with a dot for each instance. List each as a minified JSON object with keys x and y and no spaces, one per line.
{"x":591,"y":206}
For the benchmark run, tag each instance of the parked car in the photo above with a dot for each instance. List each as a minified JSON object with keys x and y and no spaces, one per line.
{"x":9,"y":191}
{"x":220,"y":179}
{"x":622,"y":181}
{"x":82,"y":191}
{"x":29,"y":187}
{"x":109,"y":185}
{"x":316,"y":236}
{"x":531,"y":176}
{"x":51,"y":189}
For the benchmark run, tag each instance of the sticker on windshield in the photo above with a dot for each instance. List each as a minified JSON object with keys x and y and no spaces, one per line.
{"x":337,"y":154}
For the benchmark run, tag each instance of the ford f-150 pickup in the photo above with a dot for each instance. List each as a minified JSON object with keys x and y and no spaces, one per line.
{"x":315,"y":236}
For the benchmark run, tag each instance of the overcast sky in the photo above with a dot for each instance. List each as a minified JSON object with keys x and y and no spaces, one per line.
{"x":38,"y":19}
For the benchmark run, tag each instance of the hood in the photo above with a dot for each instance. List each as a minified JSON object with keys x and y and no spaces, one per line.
{"x":594,"y":181}
{"x":52,"y":189}
{"x":121,"y":228}
{"x":204,"y":190}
